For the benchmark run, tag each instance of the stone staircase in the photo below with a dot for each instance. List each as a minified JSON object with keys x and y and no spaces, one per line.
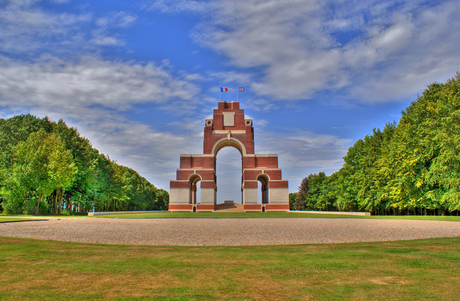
{"x":229,"y":206}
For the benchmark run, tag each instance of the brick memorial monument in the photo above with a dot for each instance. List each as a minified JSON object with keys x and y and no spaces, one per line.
{"x":228,"y":128}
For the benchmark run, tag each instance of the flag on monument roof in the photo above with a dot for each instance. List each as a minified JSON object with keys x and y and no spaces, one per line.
{"x":222,"y":89}
{"x":240,"y":89}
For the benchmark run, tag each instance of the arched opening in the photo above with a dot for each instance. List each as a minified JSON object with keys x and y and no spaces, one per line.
{"x":194,"y":189}
{"x":262,"y":191}
{"x":229,"y":174}
{"x":229,"y":141}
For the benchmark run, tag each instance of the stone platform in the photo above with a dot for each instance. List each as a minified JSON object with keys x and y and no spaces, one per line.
{"x":229,"y":206}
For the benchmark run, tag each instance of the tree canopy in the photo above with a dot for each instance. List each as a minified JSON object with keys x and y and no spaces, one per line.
{"x":48,"y":167}
{"x":409,"y":167}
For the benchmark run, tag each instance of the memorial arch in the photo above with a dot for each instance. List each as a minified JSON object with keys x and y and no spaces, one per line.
{"x":228,"y":128}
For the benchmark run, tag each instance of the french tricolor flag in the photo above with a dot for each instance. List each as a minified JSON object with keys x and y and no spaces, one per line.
{"x":222,"y":89}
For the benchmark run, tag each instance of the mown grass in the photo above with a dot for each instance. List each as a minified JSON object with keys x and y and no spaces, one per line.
{"x":403,"y":270}
{"x":271,"y":215}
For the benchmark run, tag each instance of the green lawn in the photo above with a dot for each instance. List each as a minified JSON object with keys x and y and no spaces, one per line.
{"x":270,"y":214}
{"x":403,"y":270}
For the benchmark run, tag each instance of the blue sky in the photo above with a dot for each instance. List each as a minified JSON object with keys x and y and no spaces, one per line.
{"x":138,"y":78}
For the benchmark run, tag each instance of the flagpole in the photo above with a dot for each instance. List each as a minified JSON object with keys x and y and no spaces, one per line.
{"x":220,"y":91}
{"x":237,"y":90}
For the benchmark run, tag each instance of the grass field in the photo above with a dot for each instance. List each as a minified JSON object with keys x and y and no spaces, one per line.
{"x":271,"y":215}
{"x":402,"y":270}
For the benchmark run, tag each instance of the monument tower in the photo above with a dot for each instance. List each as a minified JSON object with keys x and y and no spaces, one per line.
{"x":228,"y":128}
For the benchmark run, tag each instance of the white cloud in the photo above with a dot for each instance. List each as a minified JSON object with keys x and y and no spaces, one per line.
{"x":261,"y":122}
{"x":370,"y":51}
{"x":102,"y":35}
{"x":90,"y":81}
{"x":154,"y":154}
{"x":91,"y":94}
{"x":286,"y":49}
{"x":232,"y":77}
{"x":27,"y":28}
{"x":174,"y":6}
{"x":102,"y":40}
{"x":116,"y":19}
{"x":301,"y":153}
{"x":260,"y":104}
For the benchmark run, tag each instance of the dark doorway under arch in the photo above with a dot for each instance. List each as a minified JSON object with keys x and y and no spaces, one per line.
{"x":263,"y":180}
{"x":194,"y":187}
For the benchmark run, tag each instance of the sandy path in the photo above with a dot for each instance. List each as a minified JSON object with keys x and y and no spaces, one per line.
{"x":211,"y":232}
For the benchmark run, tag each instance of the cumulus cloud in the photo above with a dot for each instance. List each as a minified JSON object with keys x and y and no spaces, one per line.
{"x":103,"y":34}
{"x":153,"y":153}
{"x":232,"y":77}
{"x":370,"y":51}
{"x":58,"y":75}
{"x":29,"y":29}
{"x":174,"y":6}
{"x":116,"y":19}
{"x":260,"y":104}
{"x":301,"y":153}
{"x":90,"y":81}
{"x":91,"y":95}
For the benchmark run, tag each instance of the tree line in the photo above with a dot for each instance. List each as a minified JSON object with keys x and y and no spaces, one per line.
{"x":48,"y":168}
{"x":412,"y":167}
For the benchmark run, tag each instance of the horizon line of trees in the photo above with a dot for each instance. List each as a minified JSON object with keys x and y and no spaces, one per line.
{"x":48,"y":168}
{"x":412,"y":167}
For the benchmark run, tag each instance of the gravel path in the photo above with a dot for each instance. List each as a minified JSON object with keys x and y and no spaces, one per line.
{"x":228,"y":232}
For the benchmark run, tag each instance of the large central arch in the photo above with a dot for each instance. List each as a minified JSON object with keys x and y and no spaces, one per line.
{"x":228,"y":128}
{"x":229,"y":173}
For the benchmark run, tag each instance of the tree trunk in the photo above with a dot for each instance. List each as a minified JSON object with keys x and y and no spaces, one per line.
{"x":38,"y":203}
{"x":60,"y":204}
{"x":56,"y":202}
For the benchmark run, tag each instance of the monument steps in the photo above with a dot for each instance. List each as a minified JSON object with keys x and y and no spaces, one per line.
{"x":229,"y":207}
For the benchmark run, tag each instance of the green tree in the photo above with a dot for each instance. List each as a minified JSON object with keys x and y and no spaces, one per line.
{"x":83,"y":189}
{"x":316,"y":198}
{"x":299,"y":202}
{"x":423,"y":163}
{"x":292,"y":200}
{"x":41,"y":165}
{"x":98,"y":182}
